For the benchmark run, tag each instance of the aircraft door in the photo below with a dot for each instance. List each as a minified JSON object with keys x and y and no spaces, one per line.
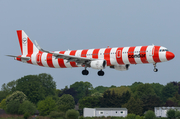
{"x":38,"y":57}
{"x":118,"y":54}
{"x":151,"y":51}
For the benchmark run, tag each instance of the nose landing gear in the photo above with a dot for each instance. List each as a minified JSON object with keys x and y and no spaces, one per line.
{"x":155,"y":69}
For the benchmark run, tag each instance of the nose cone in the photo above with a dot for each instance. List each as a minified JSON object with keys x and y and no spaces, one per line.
{"x":169,"y":55}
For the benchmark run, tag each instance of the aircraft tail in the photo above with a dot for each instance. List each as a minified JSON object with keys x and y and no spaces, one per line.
{"x":26,"y":45}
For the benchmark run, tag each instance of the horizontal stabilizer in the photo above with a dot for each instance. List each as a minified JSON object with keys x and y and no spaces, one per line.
{"x":23,"y":58}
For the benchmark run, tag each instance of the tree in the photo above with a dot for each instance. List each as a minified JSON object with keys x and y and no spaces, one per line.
{"x":12,"y":107}
{"x":65,"y":103}
{"x":120,"y":90}
{"x":100,"y":89}
{"x":3,"y":104}
{"x":134,"y":86}
{"x":46,"y":106}
{"x":17,"y":96}
{"x":114,"y":100}
{"x":81,"y":88}
{"x":134,"y":106}
{"x":157,"y":88}
{"x":171,"y":114}
{"x":28,"y":107}
{"x":144,"y":89}
{"x":70,"y":91}
{"x":36,"y":87}
{"x":89,"y":101}
{"x":150,"y":101}
{"x":169,"y":91}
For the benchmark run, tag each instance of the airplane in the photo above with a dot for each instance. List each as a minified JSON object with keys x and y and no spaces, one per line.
{"x":118,"y":58}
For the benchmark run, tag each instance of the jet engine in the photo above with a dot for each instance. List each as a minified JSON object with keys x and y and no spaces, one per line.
{"x":98,"y":64}
{"x":120,"y":67}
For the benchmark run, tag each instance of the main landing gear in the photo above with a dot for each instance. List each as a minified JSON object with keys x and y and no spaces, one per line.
{"x":101,"y":73}
{"x":86,"y":72}
{"x":155,"y":69}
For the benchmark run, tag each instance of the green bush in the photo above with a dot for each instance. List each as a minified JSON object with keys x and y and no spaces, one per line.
{"x":72,"y":114}
{"x":139,"y":117}
{"x":26,"y":115}
{"x":46,"y":106}
{"x":55,"y":114}
{"x":12,"y":107}
{"x":171,"y":114}
{"x":150,"y":115}
{"x":27,"y":106}
{"x":177,"y":114}
{"x":131,"y":116}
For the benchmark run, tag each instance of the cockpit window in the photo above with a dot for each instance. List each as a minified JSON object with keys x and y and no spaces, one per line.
{"x":163,"y":50}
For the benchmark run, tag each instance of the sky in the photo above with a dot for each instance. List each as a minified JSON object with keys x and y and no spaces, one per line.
{"x":59,"y":25}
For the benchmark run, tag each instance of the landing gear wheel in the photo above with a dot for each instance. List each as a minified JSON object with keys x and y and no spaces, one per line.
{"x":85,"y":72}
{"x":155,"y":70}
{"x":101,"y":73}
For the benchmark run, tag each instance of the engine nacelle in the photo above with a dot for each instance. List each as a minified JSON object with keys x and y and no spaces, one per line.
{"x":121,"y":67}
{"x":98,"y":64}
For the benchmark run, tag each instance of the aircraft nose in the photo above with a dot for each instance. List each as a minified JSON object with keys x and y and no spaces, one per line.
{"x":169,"y":55}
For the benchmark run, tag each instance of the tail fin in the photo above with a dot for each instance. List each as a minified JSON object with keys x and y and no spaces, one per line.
{"x":26,"y":45}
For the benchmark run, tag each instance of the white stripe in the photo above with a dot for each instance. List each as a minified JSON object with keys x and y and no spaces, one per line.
{"x":55,"y":61}
{"x":113,"y":60}
{"x":162,"y":55}
{"x":125,"y":55}
{"x":101,"y":53}
{"x":44,"y":60}
{"x":68,"y":65}
{"x":89,"y":53}
{"x":34,"y":58}
{"x":149,"y":54}
{"x":137,"y":60}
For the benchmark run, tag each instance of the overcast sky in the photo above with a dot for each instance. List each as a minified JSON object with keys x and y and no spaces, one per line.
{"x":84,"y":24}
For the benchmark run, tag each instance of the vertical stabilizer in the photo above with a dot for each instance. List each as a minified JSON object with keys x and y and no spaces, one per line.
{"x":26,"y":45}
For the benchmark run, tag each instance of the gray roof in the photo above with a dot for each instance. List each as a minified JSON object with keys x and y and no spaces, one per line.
{"x":110,"y":108}
{"x":165,"y":108}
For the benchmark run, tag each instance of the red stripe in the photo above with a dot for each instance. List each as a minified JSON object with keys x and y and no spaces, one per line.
{"x":19,"y":59}
{"x":83,"y":53}
{"x":107,"y":56}
{"x":119,"y":59}
{"x":142,"y":51}
{"x":38,"y":58}
{"x":61,"y":61}
{"x":29,"y":55}
{"x":73,"y":64}
{"x":30,"y":46}
{"x":19,"y":33}
{"x":131,"y":54}
{"x":156,"y":54}
{"x":95,"y":53}
{"x":49,"y":60}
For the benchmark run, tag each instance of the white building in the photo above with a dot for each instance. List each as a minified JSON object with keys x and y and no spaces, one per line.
{"x":99,"y":112}
{"x":162,"y":111}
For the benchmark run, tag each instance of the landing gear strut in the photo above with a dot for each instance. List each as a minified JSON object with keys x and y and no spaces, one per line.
{"x":101,"y":73}
{"x":155,"y":69}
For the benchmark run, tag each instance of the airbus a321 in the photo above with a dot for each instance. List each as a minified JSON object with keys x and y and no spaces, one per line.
{"x":118,"y":58}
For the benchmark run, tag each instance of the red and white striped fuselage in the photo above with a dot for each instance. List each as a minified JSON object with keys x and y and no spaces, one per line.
{"x":118,"y":58}
{"x":113,"y":56}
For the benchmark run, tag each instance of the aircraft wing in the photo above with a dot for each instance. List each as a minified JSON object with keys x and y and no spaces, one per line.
{"x":69,"y":58}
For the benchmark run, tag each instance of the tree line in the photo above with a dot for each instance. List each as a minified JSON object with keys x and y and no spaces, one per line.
{"x":38,"y":92}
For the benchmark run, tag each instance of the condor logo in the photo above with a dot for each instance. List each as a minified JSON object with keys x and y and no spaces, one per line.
{"x":137,"y":56}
